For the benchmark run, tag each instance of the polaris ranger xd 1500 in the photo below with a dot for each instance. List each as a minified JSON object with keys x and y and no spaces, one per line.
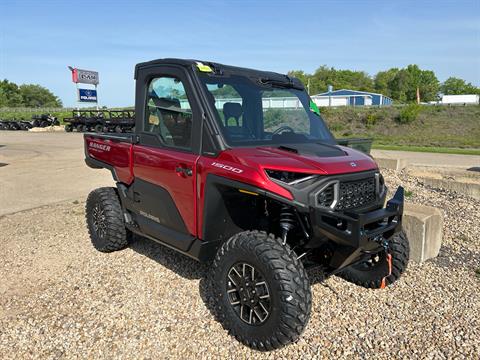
{"x":217,"y":171}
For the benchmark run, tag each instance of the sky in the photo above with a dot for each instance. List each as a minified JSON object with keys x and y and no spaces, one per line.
{"x":39,"y":39}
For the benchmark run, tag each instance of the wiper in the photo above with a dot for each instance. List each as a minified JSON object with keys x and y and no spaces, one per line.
{"x":288,"y":83}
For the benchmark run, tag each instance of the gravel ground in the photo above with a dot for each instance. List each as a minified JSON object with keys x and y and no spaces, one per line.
{"x":59,"y":298}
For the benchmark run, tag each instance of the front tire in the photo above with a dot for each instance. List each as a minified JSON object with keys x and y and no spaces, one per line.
{"x":370,"y":274}
{"x":262,"y":291}
{"x":105,"y":220}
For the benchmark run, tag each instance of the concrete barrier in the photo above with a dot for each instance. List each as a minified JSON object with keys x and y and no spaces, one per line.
{"x":424,"y":228}
{"x":467,"y":188}
{"x":392,"y":164}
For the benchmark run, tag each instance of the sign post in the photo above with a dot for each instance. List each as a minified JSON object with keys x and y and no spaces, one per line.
{"x":80,"y":76}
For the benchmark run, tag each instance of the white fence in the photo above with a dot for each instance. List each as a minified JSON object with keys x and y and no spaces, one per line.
{"x":35,"y":110}
{"x":267,"y":103}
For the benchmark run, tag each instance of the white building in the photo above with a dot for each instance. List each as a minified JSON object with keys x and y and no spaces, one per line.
{"x":460,"y":99}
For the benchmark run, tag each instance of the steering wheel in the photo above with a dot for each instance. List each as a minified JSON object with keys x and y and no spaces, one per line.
{"x":283,"y":128}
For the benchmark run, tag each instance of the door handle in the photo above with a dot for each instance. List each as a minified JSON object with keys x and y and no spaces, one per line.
{"x":183,"y":171}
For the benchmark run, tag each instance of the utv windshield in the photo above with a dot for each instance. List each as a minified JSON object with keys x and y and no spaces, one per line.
{"x":254,"y":111}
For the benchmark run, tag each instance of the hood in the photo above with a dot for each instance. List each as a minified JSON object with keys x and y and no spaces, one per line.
{"x":323,"y":159}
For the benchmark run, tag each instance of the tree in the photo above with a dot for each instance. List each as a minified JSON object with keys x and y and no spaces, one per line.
{"x":456,"y":86}
{"x":339,"y":79}
{"x":9,"y":94}
{"x":402,"y":84}
{"x":12,"y":95}
{"x":38,"y":96}
{"x":425,"y":81}
{"x":383,"y":81}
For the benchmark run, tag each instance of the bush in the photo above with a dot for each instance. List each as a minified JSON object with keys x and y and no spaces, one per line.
{"x":335,"y":127}
{"x":371,"y":119}
{"x":408,"y":114}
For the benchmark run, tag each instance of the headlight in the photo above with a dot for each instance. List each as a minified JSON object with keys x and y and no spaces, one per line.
{"x":288,"y":177}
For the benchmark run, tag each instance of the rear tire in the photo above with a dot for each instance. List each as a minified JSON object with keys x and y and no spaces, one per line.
{"x":68,"y":128}
{"x":118,"y":129}
{"x":371,"y":276}
{"x":272,"y":321}
{"x":98,"y":128}
{"x":105,"y":221}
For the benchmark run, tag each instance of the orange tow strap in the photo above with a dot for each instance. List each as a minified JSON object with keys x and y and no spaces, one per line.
{"x":384,"y":280}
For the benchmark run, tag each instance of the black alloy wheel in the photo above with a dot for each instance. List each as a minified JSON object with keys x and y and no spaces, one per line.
{"x":248,"y":293}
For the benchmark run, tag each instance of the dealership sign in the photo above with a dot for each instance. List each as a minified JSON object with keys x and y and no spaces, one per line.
{"x":87,"y":95}
{"x":85,"y":76}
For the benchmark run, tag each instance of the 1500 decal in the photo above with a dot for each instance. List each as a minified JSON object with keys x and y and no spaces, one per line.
{"x":227,"y":167}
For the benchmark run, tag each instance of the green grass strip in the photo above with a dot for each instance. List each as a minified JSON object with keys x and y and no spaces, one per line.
{"x":428,"y":149}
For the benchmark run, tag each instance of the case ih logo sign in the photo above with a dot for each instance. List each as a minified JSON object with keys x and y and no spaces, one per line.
{"x":85,"y":76}
{"x":87,"y":95}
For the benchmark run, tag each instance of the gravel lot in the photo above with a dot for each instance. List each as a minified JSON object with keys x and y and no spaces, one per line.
{"x":59,"y":298}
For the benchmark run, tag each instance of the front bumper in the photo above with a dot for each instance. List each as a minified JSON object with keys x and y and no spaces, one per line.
{"x":358,"y":234}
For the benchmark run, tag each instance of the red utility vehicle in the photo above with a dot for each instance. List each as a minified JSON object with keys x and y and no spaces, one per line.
{"x":236,"y":167}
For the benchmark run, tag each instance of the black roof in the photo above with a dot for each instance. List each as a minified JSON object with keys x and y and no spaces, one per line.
{"x":225,"y":69}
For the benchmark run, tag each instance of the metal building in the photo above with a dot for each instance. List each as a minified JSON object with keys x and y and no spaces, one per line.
{"x":345,"y":97}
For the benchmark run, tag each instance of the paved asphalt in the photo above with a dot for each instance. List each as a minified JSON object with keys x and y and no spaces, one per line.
{"x":44,"y":168}
{"x":431,"y":159}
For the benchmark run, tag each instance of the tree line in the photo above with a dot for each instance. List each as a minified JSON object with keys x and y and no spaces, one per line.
{"x":403,"y":85}
{"x":26,"y":95}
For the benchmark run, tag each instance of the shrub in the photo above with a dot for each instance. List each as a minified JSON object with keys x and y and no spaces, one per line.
{"x":408,"y":114}
{"x":371,"y":119}
{"x":336,"y":127}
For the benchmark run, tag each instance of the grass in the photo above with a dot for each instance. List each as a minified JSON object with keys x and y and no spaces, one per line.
{"x":428,"y":149}
{"x":441,"y":129}
{"x":408,"y":193}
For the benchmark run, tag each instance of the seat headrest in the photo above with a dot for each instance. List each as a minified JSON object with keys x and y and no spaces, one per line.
{"x":231,"y":109}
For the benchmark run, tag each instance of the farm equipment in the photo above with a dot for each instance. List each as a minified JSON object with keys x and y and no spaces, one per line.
{"x":4,"y":125}
{"x":118,"y":121}
{"x":44,"y":120}
{"x":15,"y":125}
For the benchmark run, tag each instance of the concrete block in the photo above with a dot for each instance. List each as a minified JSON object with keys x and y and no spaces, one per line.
{"x":393,"y":164}
{"x":467,"y":188}
{"x":424,"y":228}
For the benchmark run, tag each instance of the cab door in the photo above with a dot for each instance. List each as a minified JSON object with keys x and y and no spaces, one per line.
{"x":165,"y":157}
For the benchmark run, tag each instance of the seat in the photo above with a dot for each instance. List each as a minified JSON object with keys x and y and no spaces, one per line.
{"x":232,"y":110}
{"x":237,"y":131}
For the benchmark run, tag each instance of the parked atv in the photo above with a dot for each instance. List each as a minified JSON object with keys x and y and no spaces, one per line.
{"x":44,"y":120}
{"x":260,"y":194}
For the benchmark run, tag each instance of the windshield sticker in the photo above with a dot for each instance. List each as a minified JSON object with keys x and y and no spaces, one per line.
{"x":203,"y":68}
{"x":314,"y":108}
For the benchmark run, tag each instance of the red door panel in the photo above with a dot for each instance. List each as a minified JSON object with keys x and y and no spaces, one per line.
{"x":175,"y":172}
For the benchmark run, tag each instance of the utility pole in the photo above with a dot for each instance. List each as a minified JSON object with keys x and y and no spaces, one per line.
{"x":418,"y":95}
{"x":308,"y":86}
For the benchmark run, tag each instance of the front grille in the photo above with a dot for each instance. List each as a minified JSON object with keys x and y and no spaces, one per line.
{"x":355,"y":194}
